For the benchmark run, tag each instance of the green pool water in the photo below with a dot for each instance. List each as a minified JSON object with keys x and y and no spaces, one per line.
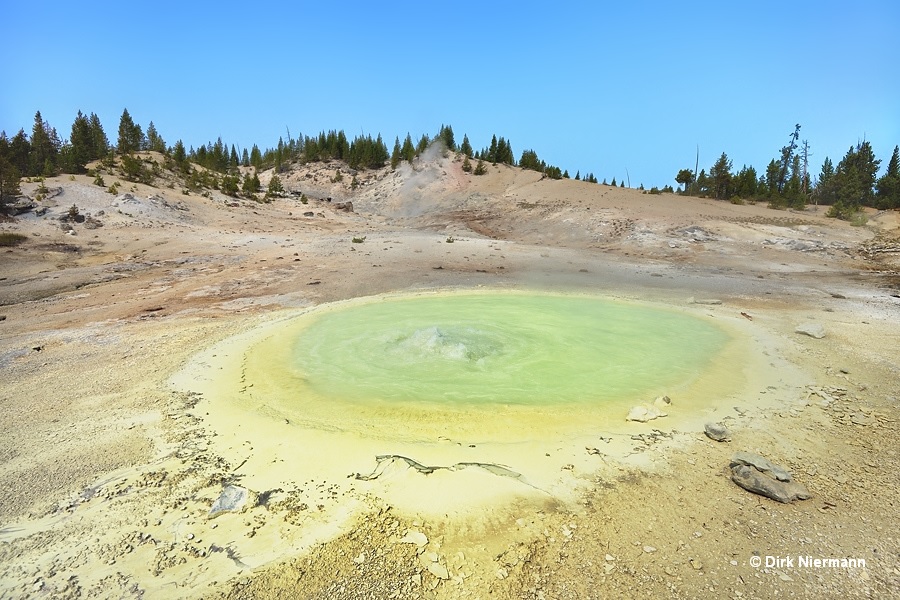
{"x":491,"y":348}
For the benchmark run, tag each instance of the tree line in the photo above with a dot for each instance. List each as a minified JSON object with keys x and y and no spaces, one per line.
{"x":787,"y":183}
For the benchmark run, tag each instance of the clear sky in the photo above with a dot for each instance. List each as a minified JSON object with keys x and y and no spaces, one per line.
{"x":590,"y":86}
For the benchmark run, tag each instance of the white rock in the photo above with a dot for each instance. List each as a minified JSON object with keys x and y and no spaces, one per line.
{"x":439,"y":570}
{"x":644,"y":413}
{"x":662,"y":402}
{"x":813,"y":330}
{"x":414,"y":537}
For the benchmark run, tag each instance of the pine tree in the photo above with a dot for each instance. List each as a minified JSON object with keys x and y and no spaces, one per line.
{"x":745,"y":182}
{"x":251,"y":184}
{"x":529,"y":160}
{"x":180,"y":156}
{"x":275,"y":188}
{"x":423,"y":144}
{"x":685,"y":177}
{"x":466,"y":147}
{"x":888,"y":186}
{"x":446,"y":136}
{"x":45,"y":146}
{"x":773,"y":171}
{"x":100,"y":145}
{"x":131,"y":136}
{"x":154,"y":140}
{"x":256,"y":157}
{"x":793,"y":188}
{"x":408,"y":151}
{"x":720,"y":173}
{"x":19,"y":152}
{"x":396,"y":154}
{"x":480,"y":169}
{"x":9,"y":173}
{"x":82,"y":144}
{"x":492,"y":151}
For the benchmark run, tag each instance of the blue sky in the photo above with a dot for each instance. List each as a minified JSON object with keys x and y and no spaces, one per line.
{"x":592,"y":87}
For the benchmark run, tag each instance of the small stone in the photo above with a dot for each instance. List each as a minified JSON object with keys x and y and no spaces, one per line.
{"x":696,"y":564}
{"x":232,"y":499}
{"x":717,"y":432}
{"x":644,"y":413}
{"x":610,"y":558}
{"x":414,"y":537}
{"x":360,"y":559}
{"x":813,"y":330}
{"x":706,"y":301}
{"x":649,"y":549}
{"x":439,"y":570}
{"x":861,"y":419}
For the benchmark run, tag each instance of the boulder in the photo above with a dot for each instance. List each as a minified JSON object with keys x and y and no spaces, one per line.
{"x":22,"y":204}
{"x":760,"y":476}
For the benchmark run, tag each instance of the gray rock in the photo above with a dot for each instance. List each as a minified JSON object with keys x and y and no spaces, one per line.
{"x":813,"y":330}
{"x":760,"y":464}
{"x":760,"y":483}
{"x":717,"y":432}
{"x":232,"y":499}
{"x":21,"y":205}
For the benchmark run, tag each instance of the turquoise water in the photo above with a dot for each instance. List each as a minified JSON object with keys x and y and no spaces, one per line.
{"x":500,"y":348}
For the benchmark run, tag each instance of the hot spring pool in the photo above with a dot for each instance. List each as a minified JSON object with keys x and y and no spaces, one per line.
{"x":493,"y":348}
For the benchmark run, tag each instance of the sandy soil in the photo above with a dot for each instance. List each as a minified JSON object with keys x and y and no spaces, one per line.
{"x":117,"y":436}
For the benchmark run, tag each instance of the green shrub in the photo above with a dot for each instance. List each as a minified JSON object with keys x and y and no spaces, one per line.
{"x":11,"y":239}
